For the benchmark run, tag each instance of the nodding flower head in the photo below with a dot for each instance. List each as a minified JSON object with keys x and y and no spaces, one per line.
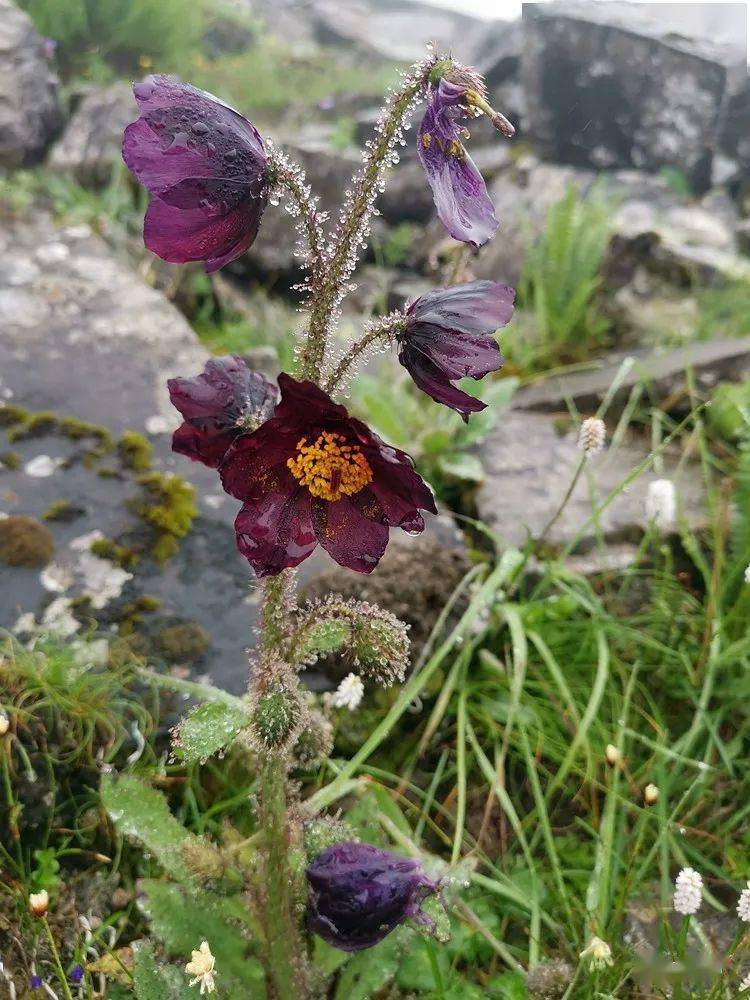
{"x":227,"y":399}
{"x":311,"y":475}
{"x":449,"y":334}
{"x":358,"y":894}
{"x":463,"y":205}
{"x":206,"y":168}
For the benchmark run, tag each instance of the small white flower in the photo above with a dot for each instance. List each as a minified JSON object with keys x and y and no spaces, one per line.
{"x":598,"y":953}
{"x":651,"y":794}
{"x":745,"y":984}
{"x":592,"y":436}
{"x":201,"y":967}
{"x":4,"y":723}
{"x":612,"y":755}
{"x":56,"y":577}
{"x":743,"y":904}
{"x":661,"y":504}
{"x":349,"y":693}
{"x":747,"y":573}
{"x":42,"y":466}
{"x":687,"y":893}
{"x":39,"y":903}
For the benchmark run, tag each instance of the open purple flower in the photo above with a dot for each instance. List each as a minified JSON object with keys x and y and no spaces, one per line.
{"x":449,"y":334}
{"x":205,"y":166}
{"x":312,"y":474}
{"x":226,"y":400}
{"x":76,"y":974}
{"x":357,"y":894}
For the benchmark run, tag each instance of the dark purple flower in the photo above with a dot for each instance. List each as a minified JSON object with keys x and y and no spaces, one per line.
{"x":226,"y":400}
{"x":448,"y":335}
{"x":312,"y":474}
{"x":205,"y":166}
{"x":357,"y":894}
{"x":76,"y":974}
{"x":35,"y":982}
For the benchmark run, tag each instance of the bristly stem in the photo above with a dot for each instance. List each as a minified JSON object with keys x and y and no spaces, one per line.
{"x":355,"y":217}
{"x":384,"y":329}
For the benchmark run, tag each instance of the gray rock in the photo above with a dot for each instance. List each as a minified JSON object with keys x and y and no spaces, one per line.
{"x":617,"y":84}
{"x":665,"y":372}
{"x":90,"y":146}
{"x":30,"y":113}
{"x":529,"y":464}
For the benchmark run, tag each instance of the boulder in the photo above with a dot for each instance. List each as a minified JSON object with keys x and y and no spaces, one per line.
{"x":90,"y":147}
{"x":30,"y":113}
{"x":529,"y":462}
{"x":620,"y":85}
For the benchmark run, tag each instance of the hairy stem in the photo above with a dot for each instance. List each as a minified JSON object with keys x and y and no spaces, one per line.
{"x":285,"y":953}
{"x":290,"y":177}
{"x":384,"y":329}
{"x":355,"y":219}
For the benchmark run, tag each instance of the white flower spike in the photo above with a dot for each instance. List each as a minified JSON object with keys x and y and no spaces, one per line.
{"x":688,"y":892}
{"x":743,"y":904}
{"x":201,"y":967}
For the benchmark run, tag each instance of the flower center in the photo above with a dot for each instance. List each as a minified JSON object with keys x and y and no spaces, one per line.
{"x":330,"y":468}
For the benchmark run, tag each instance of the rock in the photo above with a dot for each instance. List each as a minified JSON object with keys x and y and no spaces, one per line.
{"x":30,"y":113}
{"x":395,"y":29}
{"x":616,"y":85}
{"x":90,"y":146}
{"x":529,"y":464}
{"x":663,"y":371}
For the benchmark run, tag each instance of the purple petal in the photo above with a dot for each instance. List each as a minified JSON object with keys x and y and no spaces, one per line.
{"x":206,"y":446}
{"x":179,"y":235}
{"x":353,"y":531}
{"x":275,"y":532}
{"x":432,"y":380}
{"x":475,"y":307}
{"x":246,"y":470}
{"x":400,"y":490}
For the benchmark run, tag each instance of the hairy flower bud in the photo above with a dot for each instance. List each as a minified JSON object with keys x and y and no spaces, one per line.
{"x":277,"y":718}
{"x":203,"y":859}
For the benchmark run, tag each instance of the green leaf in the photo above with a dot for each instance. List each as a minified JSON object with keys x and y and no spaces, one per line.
{"x":142,"y":813}
{"x":181,"y":922}
{"x":369,"y":971}
{"x":435,"y":442}
{"x":466,"y":468}
{"x":509,"y":986}
{"x":208,"y":729}
{"x":415,"y":971}
{"x":154,"y":982}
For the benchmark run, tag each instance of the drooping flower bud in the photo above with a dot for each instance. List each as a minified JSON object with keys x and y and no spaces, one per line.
{"x":276,"y":719}
{"x":358,"y":894}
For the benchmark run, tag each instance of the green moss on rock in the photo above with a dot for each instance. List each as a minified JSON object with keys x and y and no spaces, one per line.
{"x":135,"y":451}
{"x":11,"y":460}
{"x":24,"y":541}
{"x":10,"y":415}
{"x":62,"y":510}
{"x":121,"y":555}
{"x":183,"y":643}
{"x":168,"y":506}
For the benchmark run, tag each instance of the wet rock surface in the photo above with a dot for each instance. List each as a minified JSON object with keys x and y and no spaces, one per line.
{"x":529,"y":462}
{"x":30,"y":112}
{"x":611,"y":85}
{"x":89,"y":148}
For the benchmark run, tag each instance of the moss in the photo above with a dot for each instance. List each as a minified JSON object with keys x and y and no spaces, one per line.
{"x":10,"y":415}
{"x":135,"y":451}
{"x":33,"y":425}
{"x":183,"y":643}
{"x":121,"y":555}
{"x":62,"y":510}
{"x":168,"y":507}
{"x":131,"y":614}
{"x":148,"y":603}
{"x":11,"y":460}
{"x":106,"y":473}
{"x":25,"y":542}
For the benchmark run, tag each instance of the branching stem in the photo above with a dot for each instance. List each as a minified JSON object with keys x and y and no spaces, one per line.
{"x":384,"y":329}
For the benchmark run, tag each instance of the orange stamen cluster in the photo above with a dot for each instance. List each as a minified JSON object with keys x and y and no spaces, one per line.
{"x":330,"y":468}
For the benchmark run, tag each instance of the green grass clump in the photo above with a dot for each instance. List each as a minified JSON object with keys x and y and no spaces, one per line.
{"x":559,"y":281}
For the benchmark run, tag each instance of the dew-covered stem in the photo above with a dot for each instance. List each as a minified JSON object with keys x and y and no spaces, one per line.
{"x":357,"y":211}
{"x":288,"y":177}
{"x":383,"y":330}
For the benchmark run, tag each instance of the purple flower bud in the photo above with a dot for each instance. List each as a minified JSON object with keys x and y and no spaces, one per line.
{"x":76,"y":974}
{"x":459,"y":191}
{"x":357,"y":894}
{"x":226,"y":400}
{"x":205,"y":166}
{"x":449,"y":334}
{"x":35,"y":982}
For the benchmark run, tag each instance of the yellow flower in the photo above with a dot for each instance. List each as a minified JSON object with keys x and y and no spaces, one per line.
{"x":39,"y":903}
{"x":201,"y":966}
